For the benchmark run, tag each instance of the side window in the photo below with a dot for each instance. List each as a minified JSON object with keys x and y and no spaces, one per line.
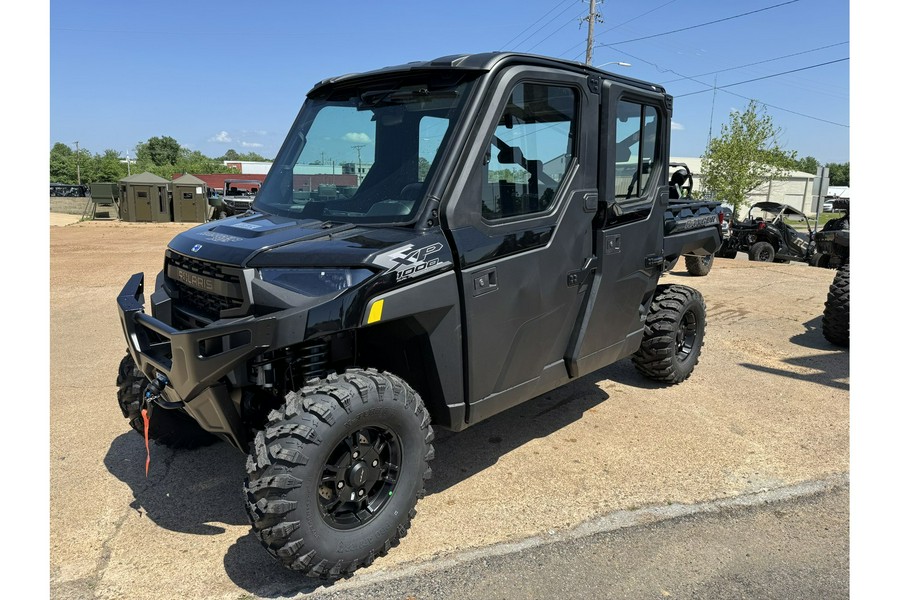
{"x":530,"y":152}
{"x":637,"y":128}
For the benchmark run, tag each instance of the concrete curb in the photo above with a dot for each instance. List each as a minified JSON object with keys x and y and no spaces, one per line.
{"x":611,"y":522}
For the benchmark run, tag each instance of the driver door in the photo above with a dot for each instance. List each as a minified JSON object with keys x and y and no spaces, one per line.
{"x":522,"y":229}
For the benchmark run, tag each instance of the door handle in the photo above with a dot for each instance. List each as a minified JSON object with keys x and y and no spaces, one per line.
{"x":485,"y":281}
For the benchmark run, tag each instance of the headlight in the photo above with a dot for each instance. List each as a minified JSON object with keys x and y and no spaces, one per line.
{"x":315,"y":282}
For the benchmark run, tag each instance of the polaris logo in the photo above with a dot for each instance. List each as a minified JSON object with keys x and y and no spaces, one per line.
{"x":196,"y":247}
{"x":193,"y":280}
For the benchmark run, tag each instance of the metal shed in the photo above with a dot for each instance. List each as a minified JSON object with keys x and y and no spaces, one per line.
{"x":189,"y":204}
{"x":145,"y":197}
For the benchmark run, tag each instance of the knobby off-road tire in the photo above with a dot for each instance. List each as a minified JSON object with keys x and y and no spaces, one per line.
{"x":762,"y":252}
{"x":334,"y":478}
{"x":673,"y":334}
{"x":170,"y":428}
{"x":699,"y":266}
{"x":836,"y":318}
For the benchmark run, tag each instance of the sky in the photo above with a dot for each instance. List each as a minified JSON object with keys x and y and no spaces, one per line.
{"x":232,"y":75}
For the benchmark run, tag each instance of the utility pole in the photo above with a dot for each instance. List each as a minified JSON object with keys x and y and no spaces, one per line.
{"x":78,"y":162}
{"x":358,"y":159}
{"x":592,"y":16}
{"x":711,"y":109}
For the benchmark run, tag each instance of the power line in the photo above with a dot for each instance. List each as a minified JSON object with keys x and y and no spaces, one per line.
{"x":567,"y":50}
{"x":683,"y":29}
{"x":831,"y":62}
{"x":555,"y":31}
{"x":757,"y":63}
{"x":665,"y":70}
{"x":535,"y":23}
{"x":794,"y":112}
{"x":539,"y":29}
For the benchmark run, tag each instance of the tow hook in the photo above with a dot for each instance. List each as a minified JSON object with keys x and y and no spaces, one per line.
{"x":155,"y":388}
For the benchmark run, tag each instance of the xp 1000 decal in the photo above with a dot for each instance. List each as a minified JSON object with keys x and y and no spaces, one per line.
{"x":411,"y":261}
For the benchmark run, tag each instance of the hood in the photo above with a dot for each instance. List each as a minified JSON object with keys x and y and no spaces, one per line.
{"x":263,"y":240}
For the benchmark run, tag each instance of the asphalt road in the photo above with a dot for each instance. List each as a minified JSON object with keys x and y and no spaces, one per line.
{"x":797,"y":548}
{"x":767,"y":408}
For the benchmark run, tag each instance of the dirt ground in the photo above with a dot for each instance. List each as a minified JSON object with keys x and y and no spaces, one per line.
{"x":768,"y":406}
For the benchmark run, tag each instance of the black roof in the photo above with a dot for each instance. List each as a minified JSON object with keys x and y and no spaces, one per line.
{"x":485,"y":61}
{"x":774,"y":207}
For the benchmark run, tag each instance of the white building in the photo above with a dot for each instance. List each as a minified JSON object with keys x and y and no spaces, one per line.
{"x":795,"y":190}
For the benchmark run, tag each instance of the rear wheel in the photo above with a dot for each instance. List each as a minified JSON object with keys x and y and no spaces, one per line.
{"x":762,"y":252}
{"x":836,"y":318}
{"x":334,"y":477}
{"x":171,"y":428}
{"x":673,"y":334}
{"x":699,"y":265}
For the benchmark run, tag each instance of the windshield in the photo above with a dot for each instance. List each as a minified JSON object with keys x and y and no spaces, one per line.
{"x":364,"y":155}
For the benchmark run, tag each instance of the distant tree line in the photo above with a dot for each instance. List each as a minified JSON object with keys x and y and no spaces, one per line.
{"x":162,"y":156}
{"x":838,"y":173}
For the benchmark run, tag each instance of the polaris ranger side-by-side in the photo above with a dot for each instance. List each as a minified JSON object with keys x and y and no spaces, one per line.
{"x":508,"y":238}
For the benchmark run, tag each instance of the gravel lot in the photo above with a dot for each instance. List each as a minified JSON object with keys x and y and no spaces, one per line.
{"x":767,"y":407}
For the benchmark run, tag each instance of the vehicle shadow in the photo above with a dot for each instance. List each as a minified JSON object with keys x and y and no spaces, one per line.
{"x":813,"y":336}
{"x":186,"y":489}
{"x":461,"y":455}
{"x":828,"y":369}
{"x":831,"y":369}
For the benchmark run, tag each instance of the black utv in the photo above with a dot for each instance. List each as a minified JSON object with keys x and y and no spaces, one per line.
{"x":508,"y":238}
{"x":769,"y":234}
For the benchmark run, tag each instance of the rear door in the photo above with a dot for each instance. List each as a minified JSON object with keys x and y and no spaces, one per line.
{"x":633,"y":187}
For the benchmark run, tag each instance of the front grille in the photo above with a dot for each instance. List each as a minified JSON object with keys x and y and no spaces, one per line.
{"x":227,"y":295}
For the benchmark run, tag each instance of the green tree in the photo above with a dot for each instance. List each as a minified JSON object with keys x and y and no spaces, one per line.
{"x":62,"y":164}
{"x":424,"y":167}
{"x":109,"y":166}
{"x":231,"y":154}
{"x":745,"y":156}
{"x":807,"y":165}
{"x":158,"y":151}
{"x":839,"y":173}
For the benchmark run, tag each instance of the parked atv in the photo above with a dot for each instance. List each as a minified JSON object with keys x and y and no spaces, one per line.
{"x":832,"y":244}
{"x":681,"y":186}
{"x":832,"y":251}
{"x":768,"y":234}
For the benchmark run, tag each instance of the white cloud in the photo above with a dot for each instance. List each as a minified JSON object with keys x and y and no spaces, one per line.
{"x":356,"y":138}
{"x":222,"y":137}
{"x":677,"y":126}
{"x":251,"y":145}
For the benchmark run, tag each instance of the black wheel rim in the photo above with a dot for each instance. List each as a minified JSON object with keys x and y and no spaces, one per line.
{"x":686,"y":336}
{"x":765,"y":255}
{"x":359,"y":477}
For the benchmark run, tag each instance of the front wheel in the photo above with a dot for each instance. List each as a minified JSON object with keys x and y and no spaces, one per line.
{"x":836,"y":318}
{"x":699,"y":266}
{"x":333,"y":479}
{"x":673,"y":334}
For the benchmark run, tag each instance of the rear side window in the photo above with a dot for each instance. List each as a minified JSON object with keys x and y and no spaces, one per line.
{"x":530,"y":152}
{"x":637,"y":129}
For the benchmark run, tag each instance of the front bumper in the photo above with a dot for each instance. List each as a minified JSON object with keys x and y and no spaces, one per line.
{"x":195,"y":361}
